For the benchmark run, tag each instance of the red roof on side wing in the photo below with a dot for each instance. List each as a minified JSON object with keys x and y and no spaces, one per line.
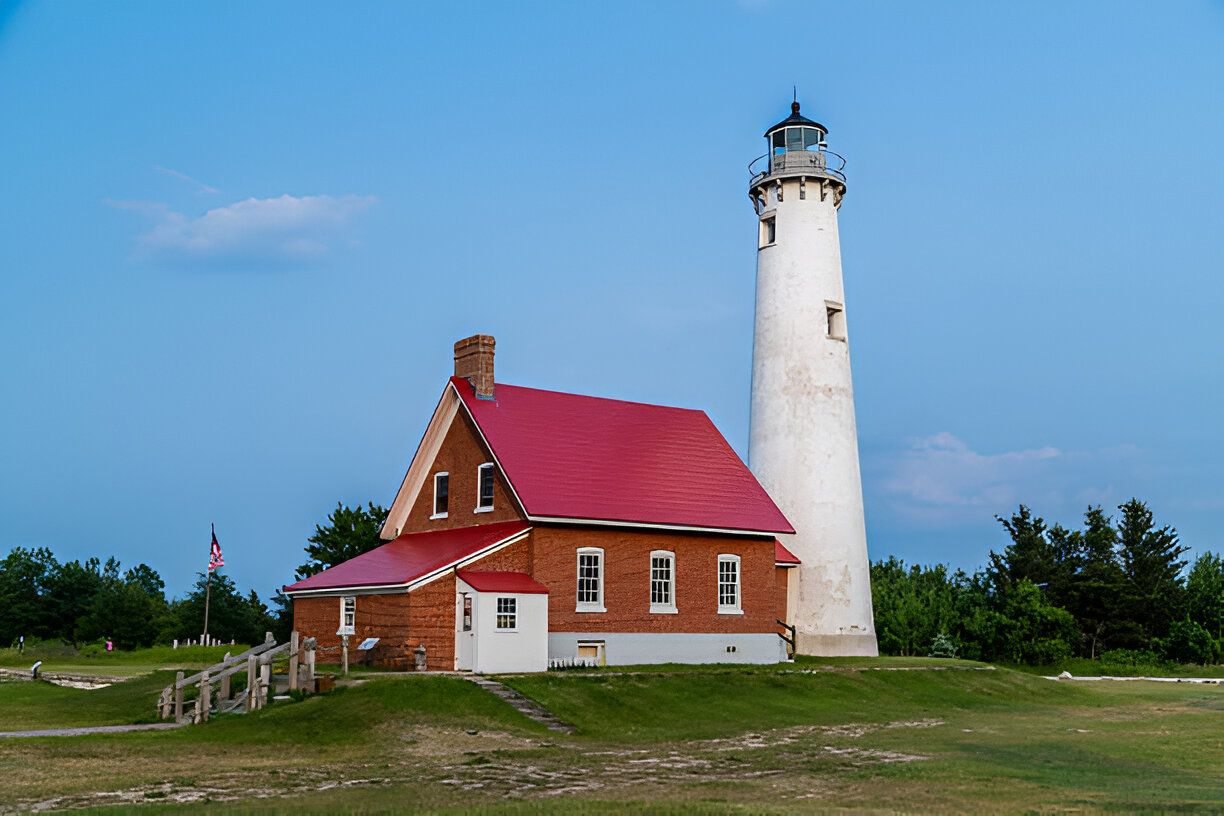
{"x":410,"y":557}
{"x":783,"y":556}
{"x":516,"y":582}
{"x":574,"y":457}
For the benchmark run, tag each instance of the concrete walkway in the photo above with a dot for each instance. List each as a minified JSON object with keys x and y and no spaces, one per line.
{"x":524,"y":705}
{"x":91,"y":729}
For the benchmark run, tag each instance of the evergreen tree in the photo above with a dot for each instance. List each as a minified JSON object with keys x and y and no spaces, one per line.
{"x":1030,"y":555}
{"x":1096,"y":597}
{"x":1205,"y":594}
{"x":1152,"y":568}
{"x":348,"y":534}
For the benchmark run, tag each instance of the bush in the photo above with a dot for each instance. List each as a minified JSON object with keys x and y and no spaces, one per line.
{"x":1131,"y":658}
{"x":1188,"y":642}
{"x":941,"y":646}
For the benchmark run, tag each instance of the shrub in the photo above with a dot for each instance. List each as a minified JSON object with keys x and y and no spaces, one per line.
{"x":1188,"y":642}
{"x":941,"y":646}
{"x":1131,"y":658}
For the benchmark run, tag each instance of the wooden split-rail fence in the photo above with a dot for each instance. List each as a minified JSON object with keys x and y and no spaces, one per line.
{"x":217,"y":678}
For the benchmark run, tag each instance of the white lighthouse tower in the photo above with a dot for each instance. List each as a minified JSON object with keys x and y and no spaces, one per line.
{"x":803,"y":446}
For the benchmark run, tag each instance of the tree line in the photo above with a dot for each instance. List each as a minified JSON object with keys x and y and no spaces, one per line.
{"x":1116,"y":586}
{"x":85,"y":602}
{"x":91,"y":601}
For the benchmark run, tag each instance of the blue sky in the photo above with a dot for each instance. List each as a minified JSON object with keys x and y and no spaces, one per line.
{"x":238,"y":240}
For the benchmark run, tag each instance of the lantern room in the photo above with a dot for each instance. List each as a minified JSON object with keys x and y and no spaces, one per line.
{"x":796,"y":132}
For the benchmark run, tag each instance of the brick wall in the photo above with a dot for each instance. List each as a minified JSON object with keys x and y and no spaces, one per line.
{"x":432,"y":614}
{"x":461,"y":453}
{"x":382,"y":616}
{"x":627,"y":581}
{"x":425,"y":616}
{"x":781,"y":583}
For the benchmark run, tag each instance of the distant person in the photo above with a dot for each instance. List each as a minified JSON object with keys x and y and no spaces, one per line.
{"x":21,"y":645}
{"x":110,"y":647}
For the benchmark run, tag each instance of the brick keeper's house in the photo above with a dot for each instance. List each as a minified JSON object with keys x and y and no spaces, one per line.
{"x":535,"y":526}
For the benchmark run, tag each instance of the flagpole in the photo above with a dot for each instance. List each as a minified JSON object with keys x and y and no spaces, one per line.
{"x":208,"y":585}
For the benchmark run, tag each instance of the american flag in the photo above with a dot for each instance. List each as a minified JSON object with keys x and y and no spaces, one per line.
{"x":214,"y":557}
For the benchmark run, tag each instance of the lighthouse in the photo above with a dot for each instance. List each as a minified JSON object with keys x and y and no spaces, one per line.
{"x":803,"y":444}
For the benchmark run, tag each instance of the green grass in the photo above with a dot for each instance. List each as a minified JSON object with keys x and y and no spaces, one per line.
{"x":95,"y":660}
{"x":714,"y":703}
{"x":855,"y":734}
{"x":28,"y":705}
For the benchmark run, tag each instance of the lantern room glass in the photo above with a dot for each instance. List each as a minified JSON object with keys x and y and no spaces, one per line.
{"x":784,"y":140}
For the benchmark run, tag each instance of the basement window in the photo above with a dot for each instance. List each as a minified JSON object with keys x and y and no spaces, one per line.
{"x":507,"y":614}
{"x":441,"y":495}
{"x":484,"y":493}
{"x":836,"y":316}
{"x":769,"y":231}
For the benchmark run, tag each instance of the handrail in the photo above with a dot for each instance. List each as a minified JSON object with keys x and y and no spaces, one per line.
{"x":268,"y":643}
{"x":793,"y":159}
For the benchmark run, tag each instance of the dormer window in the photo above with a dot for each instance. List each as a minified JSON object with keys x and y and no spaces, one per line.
{"x":484,"y":491}
{"x":441,"y":501}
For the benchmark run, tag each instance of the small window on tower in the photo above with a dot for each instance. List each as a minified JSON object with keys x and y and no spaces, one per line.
{"x":769,"y":231}
{"x":836,"y":320}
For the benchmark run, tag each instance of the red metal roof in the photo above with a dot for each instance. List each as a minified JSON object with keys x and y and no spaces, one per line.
{"x":502,"y":582}
{"x":783,"y":555}
{"x":411,"y":556}
{"x":574,"y":457}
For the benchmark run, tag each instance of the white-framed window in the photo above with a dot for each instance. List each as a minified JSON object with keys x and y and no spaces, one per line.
{"x":590,"y":580}
{"x":348,"y":615}
{"x":441,"y":495}
{"x":467,"y":612}
{"x":663,"y":581}
{"x":507,"y":614}
{"x":484,"y":488}
{"x":729,"y":584}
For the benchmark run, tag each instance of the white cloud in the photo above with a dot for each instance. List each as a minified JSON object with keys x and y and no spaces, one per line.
{"x":279,"y":229}
{"x":939,"y":481}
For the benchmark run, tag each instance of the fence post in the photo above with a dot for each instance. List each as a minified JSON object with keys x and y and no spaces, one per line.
{"x":265,"y":678}
{"x":224,"y":693}
{"x":178,"y":697}
{"x":163,"y":704}
{"x":205,"y":697}
{"x":310,"y":662}
{"x":252,"y":684}
{"x":294,"y":641}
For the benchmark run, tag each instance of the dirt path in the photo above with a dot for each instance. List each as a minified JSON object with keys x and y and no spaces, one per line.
{"x":91,"y":729}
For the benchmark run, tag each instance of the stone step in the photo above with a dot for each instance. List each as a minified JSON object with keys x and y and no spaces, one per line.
{"x":524,"y":705}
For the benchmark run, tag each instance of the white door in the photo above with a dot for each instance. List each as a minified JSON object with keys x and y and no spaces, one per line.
{"x":465,"y":633}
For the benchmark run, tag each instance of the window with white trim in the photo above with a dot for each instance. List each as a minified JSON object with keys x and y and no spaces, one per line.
{"x":590,"y":580}
{"x":441,"y":495}
{"x":484,"y":490}
{"x":348,"y":615}
{"x":507,"y":614}
{"x":729,"y":583}
{"x":662,"y":581}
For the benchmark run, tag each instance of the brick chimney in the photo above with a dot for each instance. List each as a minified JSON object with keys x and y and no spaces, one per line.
{"x":474,"y":363}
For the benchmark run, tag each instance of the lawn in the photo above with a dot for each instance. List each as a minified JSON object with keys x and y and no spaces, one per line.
{"x":94,"y":660}
{"x":864,"y":734}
